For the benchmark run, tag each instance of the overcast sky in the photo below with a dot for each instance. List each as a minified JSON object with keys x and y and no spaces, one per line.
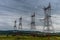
{"x":11,"y":10}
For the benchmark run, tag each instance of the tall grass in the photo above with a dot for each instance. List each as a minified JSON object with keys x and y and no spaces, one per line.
{"x":27,"y":38}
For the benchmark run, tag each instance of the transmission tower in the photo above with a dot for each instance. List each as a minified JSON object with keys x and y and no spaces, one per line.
{"x":15,"y":27}
{"x":33,"y":22}
{"x":20,"y":23}
{"x":48,"y":27}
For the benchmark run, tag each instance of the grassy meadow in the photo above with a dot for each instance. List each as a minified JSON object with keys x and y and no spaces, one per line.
{"x":4,"y":37}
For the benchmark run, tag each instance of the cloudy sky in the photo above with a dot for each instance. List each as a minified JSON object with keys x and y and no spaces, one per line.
{"x":11,"y":10}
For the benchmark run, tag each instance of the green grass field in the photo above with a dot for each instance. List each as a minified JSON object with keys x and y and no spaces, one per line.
{"x":27,"y":38}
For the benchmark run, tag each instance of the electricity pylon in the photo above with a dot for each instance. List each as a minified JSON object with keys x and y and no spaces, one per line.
{"x":20,"y":23}
{"x":33,"y":22}
{"x":15,"y":27}
{"x":48,"y":27}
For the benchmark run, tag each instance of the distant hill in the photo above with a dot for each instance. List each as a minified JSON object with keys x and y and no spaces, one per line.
{"x":23,"y":32}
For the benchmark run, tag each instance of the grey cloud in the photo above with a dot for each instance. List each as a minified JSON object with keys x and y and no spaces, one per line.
{"x":16,"y":8}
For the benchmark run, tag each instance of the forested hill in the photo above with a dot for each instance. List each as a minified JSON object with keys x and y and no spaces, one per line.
{"x":16,"y":31}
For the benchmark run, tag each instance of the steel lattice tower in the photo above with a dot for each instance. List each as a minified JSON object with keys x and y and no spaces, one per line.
{"x":33,"y":22}
{"x":20,"y":23}
{"x":15,"y":27}
{"x":48,"y":27}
